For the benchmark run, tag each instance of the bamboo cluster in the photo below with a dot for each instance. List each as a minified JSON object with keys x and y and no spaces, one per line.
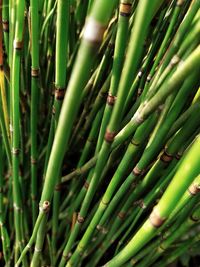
{"x":99,"y":132}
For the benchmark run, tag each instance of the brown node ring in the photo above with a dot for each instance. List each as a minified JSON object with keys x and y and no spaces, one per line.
{"x":109,"y":136}
{"x":111,"y":100}
{"x":155,"y":219}
{"x":34,"y":73}
{"x":165,"y":157}
{"x":136,"y":171}
{"x":125,"y":9}
{"x":80,"y":219}
{"x":5,"y":25}
{"x":59,"y":93}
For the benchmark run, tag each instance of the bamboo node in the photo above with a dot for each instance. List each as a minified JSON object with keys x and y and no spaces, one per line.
{"x":140,"y":73}
{"x":180,"y":2}
{"x":37,"y":250}
{"x":5,"y":25}
{"x":11,"y":128}
{"x":86,"y":185}
{"x":166,"y":157}
{"x":109,"y":136}
{"x":53,"y":110}
{"x":34,"y":73}
{"x":139,"y":92}
{"x":137,"y":118}
{"x":93,"y":31}
{"x":59,"y":93}
{"x":178,"y":156}
{"x":111,"y":99}
{"x":80,"y":219}
{"x":18,"y":45}
{"x":33,"y":161}
{"x":45,"y":206}
{"x":175,"y":60}
{"x":155,"y":219}
{"x":136,"y":171}
{"x":194,"y":189}
{"x":17,"y":208}
{"x":125,"y":9}
{"x":133,"y":142}
{"x":15,"y":151}
{"x":141,"y":204}
{"x":149,"y":77}
{"x":121,"y":215}
{"x":58,"y":187}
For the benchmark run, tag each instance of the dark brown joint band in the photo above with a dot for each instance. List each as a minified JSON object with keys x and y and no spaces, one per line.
{"x":194,"y":189}
{"x":166,"y":158}
{"x":86,"y":185}
{"x":111,"y":100}
{"x":121,"y":215}
{"x":80,"y":219}
{"x":34,"y":73}
{"x":125,"y":9}
{"x":18,"y":45}
{"x":136,"y":171}
{"x":109,"y":136}
{"x":155,"y":219}
{"x":5,"y":25}
{"x":33,"y":161}
{"x":58,"y":187}
{"x":59,"y":93}
{"x":53,"y":110}
{"x":15,"y":151}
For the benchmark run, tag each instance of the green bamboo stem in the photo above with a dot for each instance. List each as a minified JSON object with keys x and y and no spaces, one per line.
{"x":143,"y":11}
{"x":172,"y":84}
{"x":162,"y":211}
{"x":76,"y":84}
{"x":60,"y":83}
{"x":17,"y":198}
{"x":34,"y":104}
{"x":120,"y":46}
